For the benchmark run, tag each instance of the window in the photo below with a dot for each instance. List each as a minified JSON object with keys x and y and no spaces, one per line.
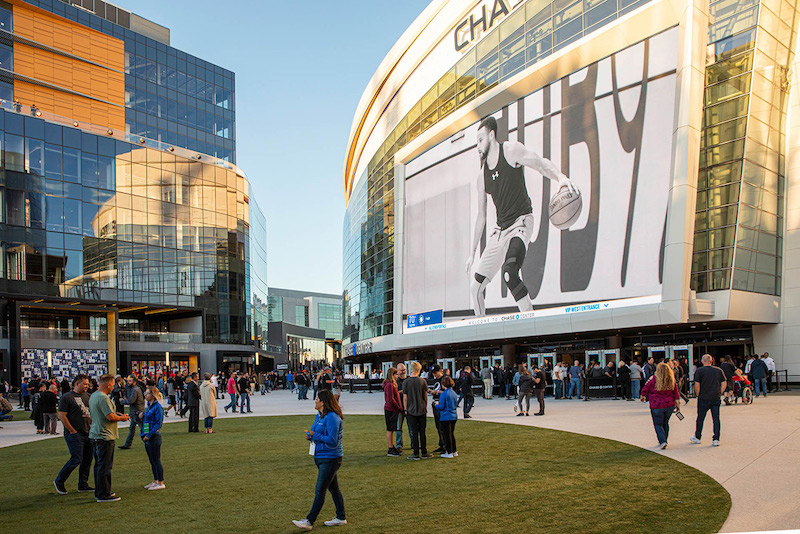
{"x":6,"y":57}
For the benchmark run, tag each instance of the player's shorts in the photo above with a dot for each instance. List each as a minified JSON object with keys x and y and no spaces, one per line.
{"x":497,"y":245}
{"x":392,"y":420}
{"x":172,"y":400}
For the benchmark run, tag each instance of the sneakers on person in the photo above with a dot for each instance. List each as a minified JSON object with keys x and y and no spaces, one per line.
{"x":157,"y":487}
{"x":413,"y":457}
{"x":446,"y":455}
{"x":393,"y":452}
{"x":153,"y":483}
{"x":438,"y":450}
{"x":662,"y":445}
{"x":303,"y":524}
{"x":112,"y":498}
{"x":87,"y":489}
{"x":715,"y":443}
{"x":60,"y":488}
{"x":426,"y":455}
{"x":455,"y":454}
{"x":520,"y":414}
{"x":335,"y":522}
{"x":694,"y":440}
{"x":467,"y":416}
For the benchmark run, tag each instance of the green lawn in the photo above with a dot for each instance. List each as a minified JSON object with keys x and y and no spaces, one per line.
{"x":255,"y":475}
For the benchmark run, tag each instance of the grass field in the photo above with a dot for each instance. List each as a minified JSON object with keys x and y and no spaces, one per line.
{"x":255,"y":475}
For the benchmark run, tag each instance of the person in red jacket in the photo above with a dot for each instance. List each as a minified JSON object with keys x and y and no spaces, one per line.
{"x":392,"y":408}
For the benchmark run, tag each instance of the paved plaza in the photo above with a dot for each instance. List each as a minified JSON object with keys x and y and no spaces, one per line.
{"x":756,"y":462}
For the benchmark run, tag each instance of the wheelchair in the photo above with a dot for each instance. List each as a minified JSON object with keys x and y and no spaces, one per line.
{"x":743,"y":392}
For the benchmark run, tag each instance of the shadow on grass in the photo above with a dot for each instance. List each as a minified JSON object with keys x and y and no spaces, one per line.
{"x":255,"y":475}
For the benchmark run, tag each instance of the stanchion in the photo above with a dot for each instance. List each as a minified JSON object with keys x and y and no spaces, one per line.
{"x":586,"y":392}
{"x":614,"y":385}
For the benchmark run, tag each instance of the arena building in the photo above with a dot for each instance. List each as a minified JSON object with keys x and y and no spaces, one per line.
{"x":129,"y":240}
{"x":667,"y":122}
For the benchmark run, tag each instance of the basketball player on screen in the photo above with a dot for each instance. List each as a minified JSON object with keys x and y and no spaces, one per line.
{"x":503,"y":177}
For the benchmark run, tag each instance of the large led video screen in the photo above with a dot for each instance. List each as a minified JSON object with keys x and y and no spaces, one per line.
{"x":555,"y":204}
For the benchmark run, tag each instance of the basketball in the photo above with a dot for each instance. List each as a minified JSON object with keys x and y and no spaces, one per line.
{"x":565,"y":207}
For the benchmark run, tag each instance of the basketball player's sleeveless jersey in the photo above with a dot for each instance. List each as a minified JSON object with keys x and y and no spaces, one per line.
{"x":506,"y":184}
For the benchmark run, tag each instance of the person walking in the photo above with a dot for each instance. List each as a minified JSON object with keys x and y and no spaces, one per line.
{"x":448,"y":416}
{"x":193,"y":403}
{"x":325,"y":436}
{"x":758,"y":371}
{"x":525,"y":384}
{"x":709,"y":385}
{"x":208,"y":402}
{"x":664,"y":395}
{"x":135,"y":401}
{"x":415,"y":401}
{"x":539,"y":384}
{"x":172,"y":403}
{"x":73,"y":412}
{"x":151,"y":436}
{"x":103,"y":433}
{"x":48,"y":401}
{"x":232,"y":391}
{"x":636,"y":378}
{"x":392,"y":408}
{"x":244,"y":393}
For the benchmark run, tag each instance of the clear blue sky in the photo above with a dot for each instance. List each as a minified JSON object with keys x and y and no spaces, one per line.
{"x":301,"y":67}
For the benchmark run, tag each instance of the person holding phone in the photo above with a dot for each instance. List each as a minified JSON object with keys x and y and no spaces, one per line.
{"x":325,"y":436}
{"x":665,"y":398}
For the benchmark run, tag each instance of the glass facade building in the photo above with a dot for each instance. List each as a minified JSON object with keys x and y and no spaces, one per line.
{"x":123,"y":217}
{"x":427,"y":96}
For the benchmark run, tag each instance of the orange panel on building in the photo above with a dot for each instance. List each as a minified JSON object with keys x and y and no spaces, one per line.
{"x":97,"y":81}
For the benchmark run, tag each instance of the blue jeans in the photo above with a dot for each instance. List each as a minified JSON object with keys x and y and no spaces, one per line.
{"x":575,"y":387}
{"x":245,"y":396}
{"x":232,"y":403}
{"x":327,"y":481}
{"x":661,"y":422}
{"x":760,"y":383}
{"x":559,"y":388}
{"x":153,"y":448}
{"x":509,"y":389}
{"x":103,"y":463}
{"x":703,"y":406}
{"x":302,"y":392}
{"x":469,"y":401}
{"x":208,"y":422}
{"x":635,"y":384}
{"x":135,"y":421}
{"x":80,"y":454}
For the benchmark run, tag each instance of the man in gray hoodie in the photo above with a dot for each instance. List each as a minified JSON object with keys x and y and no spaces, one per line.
{"x":135,"y":401}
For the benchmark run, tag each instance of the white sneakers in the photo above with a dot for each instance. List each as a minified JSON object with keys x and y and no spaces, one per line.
{"x":335,"y":522}
{"x":715,"y":443}
{"x":447,"y":455}
{"x":662,"y":445}
{"x":302,"y":524}
{"x":694,"y":439}
{"x":157,"y":487}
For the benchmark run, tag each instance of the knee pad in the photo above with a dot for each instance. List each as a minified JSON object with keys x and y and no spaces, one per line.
{"x":514,"y":259}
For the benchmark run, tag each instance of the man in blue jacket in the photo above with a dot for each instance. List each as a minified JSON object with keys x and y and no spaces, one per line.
{"x":759,"y":371}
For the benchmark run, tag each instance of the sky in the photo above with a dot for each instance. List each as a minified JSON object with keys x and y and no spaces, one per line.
{"x":301,"y":67}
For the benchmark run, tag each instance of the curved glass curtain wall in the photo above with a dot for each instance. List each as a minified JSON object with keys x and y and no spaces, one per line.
{"x":529,"y":34}
{"x":94,"y":219}
{"x":740,"y":200}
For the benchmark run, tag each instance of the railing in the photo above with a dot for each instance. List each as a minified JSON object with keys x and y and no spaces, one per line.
{"x":778,"y":382}
{"x":77,"y":334}
{"x":33,"y":111}
{"x":160,"y":337}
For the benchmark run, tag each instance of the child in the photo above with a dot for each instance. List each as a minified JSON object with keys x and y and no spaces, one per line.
{"x":448,"y":417}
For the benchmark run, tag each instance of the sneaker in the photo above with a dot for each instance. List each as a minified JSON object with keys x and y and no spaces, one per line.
{"x":392,"y":452}
{"x":468,"y":416}
{"x":662,"y":445}
{"x":112,"y":498}
{"x":87,"y":489}
{"x":447,"y":455}
{"x":413,"y":457}
{"x":438,"y":450}
{"x":151,"y":485}
{"x":539,"y":413}
{"x":715,"y":443}
{"x":520,"y":414}
{"x":60,"y":489}
{"x":694,"y":440}
{"x":124,"y":447}
{"x":335,"y":522}
{"x":157,"y":487}
{"x":303,"y":524}
{"x":455,"y":453}
{"x":527,"y":414}
{"x":426,"y":455}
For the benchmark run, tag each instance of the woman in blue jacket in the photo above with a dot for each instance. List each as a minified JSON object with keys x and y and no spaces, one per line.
{"x":448,"y":416}
{"x":326,"y":441}
{"x":151,"y":435}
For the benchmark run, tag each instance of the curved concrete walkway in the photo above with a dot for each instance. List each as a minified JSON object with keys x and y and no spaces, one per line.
{"x":756,"y":462}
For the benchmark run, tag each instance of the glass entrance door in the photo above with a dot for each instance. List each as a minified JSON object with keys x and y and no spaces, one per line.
{"x":447,"y":363}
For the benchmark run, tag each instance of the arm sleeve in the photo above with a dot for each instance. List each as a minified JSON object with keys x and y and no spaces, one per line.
{"x":157,"y":422}
{"x":648,"y":387}
{"x":106,"y":408}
